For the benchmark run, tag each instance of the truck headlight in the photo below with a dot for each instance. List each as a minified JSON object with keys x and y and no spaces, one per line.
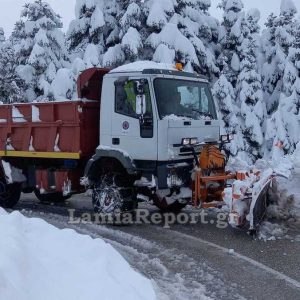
{"x":226,"y":138}
{"x":189,"y":141}
{"x":185,"y":141}
{"x":194,"y":141}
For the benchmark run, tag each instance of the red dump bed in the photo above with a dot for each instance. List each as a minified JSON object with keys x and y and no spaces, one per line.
{"x":50,"y":130}
{"x":68,"y":129}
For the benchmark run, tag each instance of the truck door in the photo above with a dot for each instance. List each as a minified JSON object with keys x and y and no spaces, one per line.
{"x":131,"y":132}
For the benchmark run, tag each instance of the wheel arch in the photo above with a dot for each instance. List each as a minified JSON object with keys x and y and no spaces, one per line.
{"x":114,"y":156}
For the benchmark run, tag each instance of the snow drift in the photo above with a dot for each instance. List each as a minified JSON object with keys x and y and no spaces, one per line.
{"x":39,"y":261}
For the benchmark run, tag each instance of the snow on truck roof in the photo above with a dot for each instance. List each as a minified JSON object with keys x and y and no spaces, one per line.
{"x":140,"y":66}
{"x":150,"y":67}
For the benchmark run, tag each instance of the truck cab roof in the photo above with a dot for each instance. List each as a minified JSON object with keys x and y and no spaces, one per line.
{"x":88,"y":81}
{"x":153,"y":68}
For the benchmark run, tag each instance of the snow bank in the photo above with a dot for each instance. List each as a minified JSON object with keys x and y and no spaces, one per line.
{"x":140,"y":66}
{"x":39,"y":261}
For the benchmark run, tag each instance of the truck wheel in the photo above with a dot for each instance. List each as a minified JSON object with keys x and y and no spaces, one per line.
{"x":9,"y":194}
{"x":56,"y":197}
{"x":112,"y":195}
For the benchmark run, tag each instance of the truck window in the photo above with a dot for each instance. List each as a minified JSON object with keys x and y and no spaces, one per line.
{"x":183,"y":98}
{"x":125,"y":100}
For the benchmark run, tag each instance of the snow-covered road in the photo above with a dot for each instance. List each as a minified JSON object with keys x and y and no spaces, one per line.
{"x":194,"y":261}
{"x":177,"y":275}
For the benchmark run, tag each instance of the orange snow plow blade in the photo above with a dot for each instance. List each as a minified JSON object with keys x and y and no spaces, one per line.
{"x":244,"y":192}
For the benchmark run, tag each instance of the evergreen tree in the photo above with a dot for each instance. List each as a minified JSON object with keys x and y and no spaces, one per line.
{"x":159,"y":14}
{"x":107,"y":33}
{"x":202,"y":30}
{"x":230,"y":39}
{"x":281,"y":79}
{"x":86,"y":32}
{"x":183,"y":31}
{"x":126,"y":31}
{"x":249,"y":87}
{"x":132,"y":34}
{"x":39,"y":48}
{"x":277,"y":40}
{"x":295,"y":57}
{"x":11,"y":85}
{"x":224,"y":95}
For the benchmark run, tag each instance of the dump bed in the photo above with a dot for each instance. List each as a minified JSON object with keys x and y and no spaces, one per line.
{"x":68,"y":130}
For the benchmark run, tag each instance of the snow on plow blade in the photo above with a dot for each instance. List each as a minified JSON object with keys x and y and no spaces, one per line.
{"x":248,"y":198}
{"x":244,"y":192}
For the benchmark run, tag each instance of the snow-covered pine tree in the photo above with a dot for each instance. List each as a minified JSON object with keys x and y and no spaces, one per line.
{"x":39,"y":48}
{"x":152,"y":29}
{"x":182,"y":31}
{"x":249,"y":87}
{"x":159,"y":14}
{"x":112,"y":28}
{"x":107,"y":33}
{"x":202,"y":30}
{"x":282,"y":86}
{"x":292,"y":68}
{"x":277,"y":39}
{"x":11,"y":85}
{"x":132,"y":34}
{"x":85,"y":35}
{"x":270,"y":72}
{"x":282,"y":129}
{"x":224,"y":95}
{"x":295,"y":57}
{"x":230,"y":38}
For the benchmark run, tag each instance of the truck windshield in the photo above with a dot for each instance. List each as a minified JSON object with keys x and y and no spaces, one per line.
{"x":182,"y":98}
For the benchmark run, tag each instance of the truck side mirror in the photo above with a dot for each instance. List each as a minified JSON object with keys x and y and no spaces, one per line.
{"x":140,"y":105}
{"x":140,"y":87}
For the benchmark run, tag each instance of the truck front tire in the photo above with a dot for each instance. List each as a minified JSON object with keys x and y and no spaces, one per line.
{"x":114,"y":194}
{"x":9,"y":194}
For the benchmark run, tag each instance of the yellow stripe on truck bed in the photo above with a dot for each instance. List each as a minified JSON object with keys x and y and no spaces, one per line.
{"x":32,"y":154}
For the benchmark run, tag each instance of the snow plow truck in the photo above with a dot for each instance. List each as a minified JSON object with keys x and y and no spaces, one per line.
{"x":141,"y":132}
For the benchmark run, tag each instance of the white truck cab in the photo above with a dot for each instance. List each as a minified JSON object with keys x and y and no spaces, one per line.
{"x":154,"y":119}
